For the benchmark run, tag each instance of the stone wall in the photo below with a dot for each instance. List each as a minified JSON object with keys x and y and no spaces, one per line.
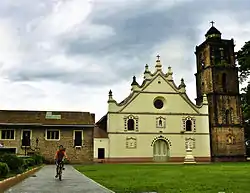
{"x":48,"y":148}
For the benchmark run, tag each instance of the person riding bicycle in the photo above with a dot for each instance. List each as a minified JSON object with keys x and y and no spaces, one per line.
{"x":60,"y":154}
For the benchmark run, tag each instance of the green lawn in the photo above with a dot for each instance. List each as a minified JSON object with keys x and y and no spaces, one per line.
{"x":166,"y":178}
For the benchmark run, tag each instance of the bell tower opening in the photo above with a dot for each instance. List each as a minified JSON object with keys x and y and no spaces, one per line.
{"x":215,"y":61}
{"x":224,"y":82}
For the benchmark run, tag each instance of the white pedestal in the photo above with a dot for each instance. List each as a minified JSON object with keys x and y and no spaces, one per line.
{"x":189,"y":158}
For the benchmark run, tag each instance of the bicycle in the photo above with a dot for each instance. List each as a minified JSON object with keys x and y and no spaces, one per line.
{"x":59,"y":169}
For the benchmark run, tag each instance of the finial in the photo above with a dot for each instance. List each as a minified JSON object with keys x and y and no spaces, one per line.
{"x":158,"y":58}
{"x":146,"y":69}
{"x":182,"y":85}
{"x":212,"y":22}
{"x":158,"y":63}
{"x":110,"y":93}
{"x":134,"y":81}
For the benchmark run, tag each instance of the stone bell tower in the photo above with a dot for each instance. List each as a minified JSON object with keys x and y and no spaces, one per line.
{"x":217,"y":76}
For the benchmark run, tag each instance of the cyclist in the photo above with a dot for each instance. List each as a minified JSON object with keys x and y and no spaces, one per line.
{"x":60,"y":154}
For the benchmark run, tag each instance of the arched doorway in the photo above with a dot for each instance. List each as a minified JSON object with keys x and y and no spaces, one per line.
{"x":160,"y":151}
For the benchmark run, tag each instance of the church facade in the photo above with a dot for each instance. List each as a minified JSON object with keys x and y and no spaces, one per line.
{"x":156,"y":122}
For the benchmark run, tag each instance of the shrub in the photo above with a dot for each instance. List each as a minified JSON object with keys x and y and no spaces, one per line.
{"x":15,"y":163}
{"x":39,"y":159}
{"x":66,"y":161}
{"x":4,"y":169}
{"x":30,"y":162}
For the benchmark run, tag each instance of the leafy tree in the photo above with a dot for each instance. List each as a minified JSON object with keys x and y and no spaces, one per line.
{"x":243,"y":59}
{"x":245,"y":101}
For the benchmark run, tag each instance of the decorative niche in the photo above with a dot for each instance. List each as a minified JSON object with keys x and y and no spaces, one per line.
{"x":131,"y":123}
{"x":160,"y":122}
{"x":230,"y":139}
{"x":188,"y":124}
{"x":190,"y":141}
{"x":131,"y":142}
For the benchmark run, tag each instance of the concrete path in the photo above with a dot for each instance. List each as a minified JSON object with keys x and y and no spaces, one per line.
{"x":45,"y":182}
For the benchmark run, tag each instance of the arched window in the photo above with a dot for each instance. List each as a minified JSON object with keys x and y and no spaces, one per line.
{"x":227,"y":117}
{"x":188,"y":125}
{"x":131,"y":125}
{"x":224,"y":82}
{"x":231,"y":115}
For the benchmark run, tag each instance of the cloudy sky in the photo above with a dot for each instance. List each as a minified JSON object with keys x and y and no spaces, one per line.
{"x":67,"y":54}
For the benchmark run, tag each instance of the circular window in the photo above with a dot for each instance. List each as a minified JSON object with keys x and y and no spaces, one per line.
{"x":158,"y":103}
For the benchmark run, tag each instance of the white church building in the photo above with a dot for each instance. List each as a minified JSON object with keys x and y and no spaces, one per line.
{"x":155,"y":123}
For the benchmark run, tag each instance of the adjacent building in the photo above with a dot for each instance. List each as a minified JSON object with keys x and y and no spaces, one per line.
{"x":27,"y":132}
{"x":217,"y":77}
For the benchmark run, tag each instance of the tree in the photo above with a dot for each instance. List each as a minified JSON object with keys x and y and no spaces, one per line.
{"x":243,"y":59}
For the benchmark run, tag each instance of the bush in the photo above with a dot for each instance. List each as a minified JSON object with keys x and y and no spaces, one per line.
{"x":39,"y":159}
{"x":66,"y":161}
{"x":4,"y":169}
{"x":15,"y":163}
{"x":30,"y":162}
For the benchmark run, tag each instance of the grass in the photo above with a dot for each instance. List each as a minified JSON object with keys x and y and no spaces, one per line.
{"x":166,"y":178}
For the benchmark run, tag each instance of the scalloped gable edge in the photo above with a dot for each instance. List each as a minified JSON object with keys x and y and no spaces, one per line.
{"x":130,"y":98}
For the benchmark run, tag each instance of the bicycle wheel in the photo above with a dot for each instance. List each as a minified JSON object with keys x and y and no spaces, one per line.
{"x":60,"y":172}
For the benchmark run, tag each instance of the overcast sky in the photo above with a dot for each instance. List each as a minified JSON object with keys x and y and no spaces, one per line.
{"x":67,"y":54}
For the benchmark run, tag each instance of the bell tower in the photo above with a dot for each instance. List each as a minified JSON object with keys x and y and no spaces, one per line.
{"x":217,"y":76}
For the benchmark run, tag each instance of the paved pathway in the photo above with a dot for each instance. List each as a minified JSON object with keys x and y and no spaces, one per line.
{"x":45,"y":182}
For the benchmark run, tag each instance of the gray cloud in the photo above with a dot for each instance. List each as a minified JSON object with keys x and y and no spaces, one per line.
{"x":131,"y":35}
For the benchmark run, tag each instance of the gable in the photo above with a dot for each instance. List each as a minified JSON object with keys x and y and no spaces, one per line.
{"x":160,"y":84}
{"x":173,"y":103}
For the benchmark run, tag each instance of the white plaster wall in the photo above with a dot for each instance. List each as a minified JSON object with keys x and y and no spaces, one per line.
{"x":144,"y":149}
{"x":147,"y":123}
{"x":101,"y":143}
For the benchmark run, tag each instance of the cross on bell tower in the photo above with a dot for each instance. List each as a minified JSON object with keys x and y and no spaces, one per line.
{"x":215,"y":56}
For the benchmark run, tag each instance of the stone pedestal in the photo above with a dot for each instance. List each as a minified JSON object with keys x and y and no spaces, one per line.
{"x":189,"y":158}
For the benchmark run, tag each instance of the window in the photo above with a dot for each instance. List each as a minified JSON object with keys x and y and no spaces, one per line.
{"x":8,"y":134}
{"x":101,"y":153}
{"x":221,"y":53}
{"x":78,"y":138}
{"x":53,"y":135}
{"x":7,"y":150}
{"x":131,"y":124}
{"x":158,"y":103}
{"x":228,"y":116}
{"x":188,"y":125}
{"x":26,"y":136}
{"x":224,"y":82}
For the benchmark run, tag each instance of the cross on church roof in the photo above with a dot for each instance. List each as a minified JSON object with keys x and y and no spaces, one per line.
{"x":212,"y":22}
{"x":158,"y":57}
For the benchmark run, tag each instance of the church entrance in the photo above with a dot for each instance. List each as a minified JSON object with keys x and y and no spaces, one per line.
{"x":161,"y":151}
